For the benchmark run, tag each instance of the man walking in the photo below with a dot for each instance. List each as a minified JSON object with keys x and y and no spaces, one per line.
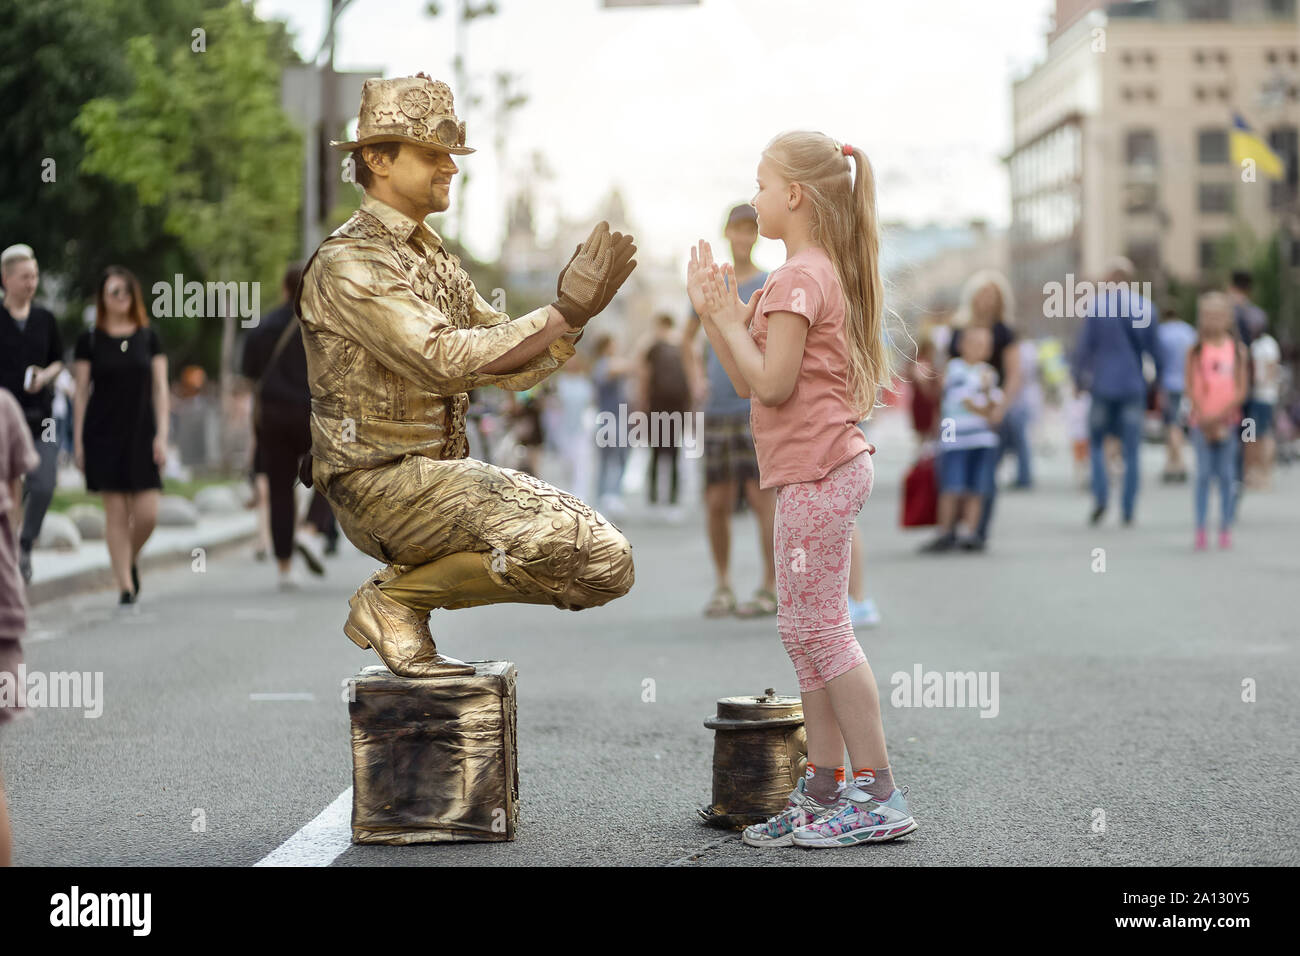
{"x":31,"y":358}
{"x":668,"y":400}
{"x":1119,"y":329}
{"x":275,"y":360}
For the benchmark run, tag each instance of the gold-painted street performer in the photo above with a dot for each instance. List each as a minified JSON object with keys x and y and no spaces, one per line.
{"x":395,"y":335}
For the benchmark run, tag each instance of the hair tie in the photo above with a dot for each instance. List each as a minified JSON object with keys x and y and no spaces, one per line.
{"x":847,"y":149}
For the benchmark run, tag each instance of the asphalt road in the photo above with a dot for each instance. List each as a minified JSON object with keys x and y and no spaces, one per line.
{"x":1119,"y":691}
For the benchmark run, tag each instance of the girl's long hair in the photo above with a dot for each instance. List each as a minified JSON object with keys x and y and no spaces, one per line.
{"x":844,"y":223}
{"x":137,"y":312}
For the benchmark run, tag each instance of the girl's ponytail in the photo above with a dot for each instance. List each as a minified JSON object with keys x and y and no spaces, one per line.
{"x":866,"y":336}
{"x":842,"y":193}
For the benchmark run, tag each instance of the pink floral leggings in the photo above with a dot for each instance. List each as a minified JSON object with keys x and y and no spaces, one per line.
{"x":813,"y":545}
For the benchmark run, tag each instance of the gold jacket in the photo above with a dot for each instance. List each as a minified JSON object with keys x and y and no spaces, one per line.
{"x":394,"y":332}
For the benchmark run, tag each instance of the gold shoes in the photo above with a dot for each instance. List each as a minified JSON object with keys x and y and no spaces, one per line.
{"x":398,"y":634}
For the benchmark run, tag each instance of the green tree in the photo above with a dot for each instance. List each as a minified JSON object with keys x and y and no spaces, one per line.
{"x":202,"y":137}
{"x":54,"y":56}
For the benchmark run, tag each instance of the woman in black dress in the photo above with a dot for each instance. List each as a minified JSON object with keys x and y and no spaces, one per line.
{"x":121,"y":419}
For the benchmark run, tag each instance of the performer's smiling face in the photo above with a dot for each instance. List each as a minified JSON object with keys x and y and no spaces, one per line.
{"x":417,"y":182}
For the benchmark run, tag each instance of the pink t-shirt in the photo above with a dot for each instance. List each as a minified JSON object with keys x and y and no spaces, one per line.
{"x":1214,"y":380}
{"x":815,"y":430}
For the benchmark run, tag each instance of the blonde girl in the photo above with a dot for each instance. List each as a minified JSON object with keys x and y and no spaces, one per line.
{"x":808,"y":352}
{"x":1215,"y":379}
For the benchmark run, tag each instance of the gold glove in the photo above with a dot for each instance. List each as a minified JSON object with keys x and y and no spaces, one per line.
{"x":624,"y":250}
{"x":598,"y":267}
{"x":559,"y":282}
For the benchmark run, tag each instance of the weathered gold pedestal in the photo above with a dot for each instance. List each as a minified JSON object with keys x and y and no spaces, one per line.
{"x":760,"y":750}
{"x":434,"y":761}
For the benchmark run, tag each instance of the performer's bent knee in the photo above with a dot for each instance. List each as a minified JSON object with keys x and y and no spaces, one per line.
{"x":607,"y":574}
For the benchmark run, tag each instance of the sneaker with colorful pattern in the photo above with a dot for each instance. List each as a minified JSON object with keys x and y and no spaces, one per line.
{"x":801,"y":810}
{"x":859,"y":818}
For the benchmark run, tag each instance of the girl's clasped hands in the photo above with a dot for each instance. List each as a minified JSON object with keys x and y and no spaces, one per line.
{"x":713,"y":301}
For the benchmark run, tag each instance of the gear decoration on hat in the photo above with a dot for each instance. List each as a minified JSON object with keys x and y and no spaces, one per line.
{"x":442,"y":97}
{"x":416,"y":109}
{"x":416,"y":102}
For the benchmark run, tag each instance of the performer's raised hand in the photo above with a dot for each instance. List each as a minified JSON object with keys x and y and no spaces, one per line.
{"x":559,"y":282}
{"x":621,"y":265}
{"x":588,"y":283}
{"x":580,"y":283}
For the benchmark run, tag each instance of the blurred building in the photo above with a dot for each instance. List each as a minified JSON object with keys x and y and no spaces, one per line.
{"x":1121,"y":140}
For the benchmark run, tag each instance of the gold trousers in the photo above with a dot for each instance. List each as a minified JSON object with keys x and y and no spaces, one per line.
{"x":471,"y":533}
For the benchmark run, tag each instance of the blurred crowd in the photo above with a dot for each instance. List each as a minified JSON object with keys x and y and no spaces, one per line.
{"x":1214,"y":387}
{"x":1136,"y":372}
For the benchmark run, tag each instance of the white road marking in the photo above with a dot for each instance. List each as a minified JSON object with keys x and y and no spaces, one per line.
{"x":321,"y":841}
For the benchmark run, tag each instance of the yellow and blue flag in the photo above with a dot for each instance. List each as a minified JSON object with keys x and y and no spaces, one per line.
{"x":1246,"y":145}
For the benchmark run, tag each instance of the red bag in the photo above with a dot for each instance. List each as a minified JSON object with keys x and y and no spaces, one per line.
{"x":921,"y":495}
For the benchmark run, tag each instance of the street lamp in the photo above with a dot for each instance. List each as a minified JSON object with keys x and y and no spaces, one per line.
{"x":328,"y":180}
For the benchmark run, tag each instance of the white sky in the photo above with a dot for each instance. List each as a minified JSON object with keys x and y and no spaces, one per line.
{"x":673,"y":104}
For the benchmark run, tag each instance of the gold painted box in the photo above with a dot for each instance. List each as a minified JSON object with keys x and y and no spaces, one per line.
{"x":434,"y":760}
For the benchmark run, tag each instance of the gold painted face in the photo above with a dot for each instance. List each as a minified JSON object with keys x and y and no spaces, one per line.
{"x":421,"y":178}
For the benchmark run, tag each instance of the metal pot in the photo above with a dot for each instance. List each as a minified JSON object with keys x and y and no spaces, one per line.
{"x":759,"y":752}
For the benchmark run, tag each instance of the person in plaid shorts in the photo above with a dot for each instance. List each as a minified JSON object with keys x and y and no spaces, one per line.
{"x":730,"y":464}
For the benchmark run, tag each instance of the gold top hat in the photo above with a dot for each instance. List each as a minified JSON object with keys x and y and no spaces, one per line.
{"x":408,"y":109}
